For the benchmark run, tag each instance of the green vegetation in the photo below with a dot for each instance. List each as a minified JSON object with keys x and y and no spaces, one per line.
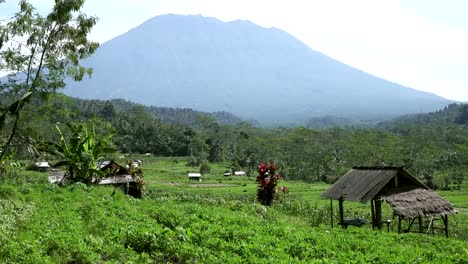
{"x":178,"y":221}
{"x":80,"y":153}
{"x":434,"y":151}
{"x":182,"y":222}
{"x":38,"y":52}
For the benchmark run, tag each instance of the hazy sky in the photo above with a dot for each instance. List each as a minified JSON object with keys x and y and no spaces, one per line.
{"x":422,"y":44}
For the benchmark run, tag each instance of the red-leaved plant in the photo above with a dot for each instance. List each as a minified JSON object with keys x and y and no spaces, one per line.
{"x":267,"y":180}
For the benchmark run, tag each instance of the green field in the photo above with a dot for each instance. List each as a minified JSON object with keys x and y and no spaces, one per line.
{"x":214,"y":221}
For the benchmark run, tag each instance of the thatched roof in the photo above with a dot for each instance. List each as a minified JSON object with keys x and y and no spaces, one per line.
{"x":361,"y":184}
{"x":419,"y":202}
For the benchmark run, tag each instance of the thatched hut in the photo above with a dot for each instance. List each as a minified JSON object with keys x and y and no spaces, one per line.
{"x":408,"y":197}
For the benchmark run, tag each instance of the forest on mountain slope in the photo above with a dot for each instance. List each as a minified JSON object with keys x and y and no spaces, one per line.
{"x":432,"y":146}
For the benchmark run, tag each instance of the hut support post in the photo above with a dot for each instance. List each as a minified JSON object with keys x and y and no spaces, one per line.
{"x":378,"y":213}
{"x":372,"y":214}
{"x":410,"y":224}
{"x":420,"y":224}
{"x":331,"y":212}
{"x":399,"y":224}
{"x":445,"y":219}
{"x":340,"y":206}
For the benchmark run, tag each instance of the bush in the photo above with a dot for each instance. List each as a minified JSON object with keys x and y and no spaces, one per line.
{"x":205,"y":168}
{"x":267,"y":180}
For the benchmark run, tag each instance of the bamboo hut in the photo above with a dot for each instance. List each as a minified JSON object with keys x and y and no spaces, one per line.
{"x":409,"y":198}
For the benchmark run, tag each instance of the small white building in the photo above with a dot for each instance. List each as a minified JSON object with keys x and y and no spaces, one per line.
{"x":42,"y":166}
{"x":227,"y":173}
{"x":240,"y":173}
{"x":196,"y":176}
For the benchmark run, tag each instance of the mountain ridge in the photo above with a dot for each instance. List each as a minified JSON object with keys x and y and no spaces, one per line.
{"x":239,"y":67}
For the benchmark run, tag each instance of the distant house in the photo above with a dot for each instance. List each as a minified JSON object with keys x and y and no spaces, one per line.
{"x":195,"y":176}
{"x":42,"y":166}
{"x":227,"y":173}
{"x":240,"y":173}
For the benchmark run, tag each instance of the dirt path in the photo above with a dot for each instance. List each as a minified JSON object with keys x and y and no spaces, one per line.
{"x":202,"y":185}
{"x":173,"y":184}
{"x":210,"y":185}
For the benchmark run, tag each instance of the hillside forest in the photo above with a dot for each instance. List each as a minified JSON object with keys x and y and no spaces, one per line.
{"x":432,"y":146}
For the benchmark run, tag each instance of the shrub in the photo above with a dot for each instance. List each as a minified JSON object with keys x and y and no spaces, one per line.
{"x":205,"y":168}
{"x":267,"y":180}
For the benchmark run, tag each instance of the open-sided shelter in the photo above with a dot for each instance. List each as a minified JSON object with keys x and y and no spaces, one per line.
{"x":408,"y":197}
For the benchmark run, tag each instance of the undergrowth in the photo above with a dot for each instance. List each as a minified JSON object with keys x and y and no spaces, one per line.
{"x":44,"y":223}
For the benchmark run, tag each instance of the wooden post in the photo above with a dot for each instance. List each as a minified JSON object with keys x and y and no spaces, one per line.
{"x":340,"y":206}
{"x":378,"y":213}
{"x":331,"y":212}
{"x":420,"y":224}
{"x":372,"y":214}
{"x":445,"y":219}
{"x":399,"y":224}
{"x":429,"y":227}
{"x":410,"y":224}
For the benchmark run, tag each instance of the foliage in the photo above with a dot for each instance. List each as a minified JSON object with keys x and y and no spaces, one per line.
{"x":38,"y":52}
{"x":427,"y":150}
{"x":180,"y":224}
{"x":205,"y":168}
{"x":267,"y":180}
{"x":80,"y":153}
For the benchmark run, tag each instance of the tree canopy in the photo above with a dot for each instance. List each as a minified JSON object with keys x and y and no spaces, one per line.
{"x":38,"y":52}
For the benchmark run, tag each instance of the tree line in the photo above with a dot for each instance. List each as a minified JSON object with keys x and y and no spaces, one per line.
{"x":39,"y":52}
{"x":437,"y":152}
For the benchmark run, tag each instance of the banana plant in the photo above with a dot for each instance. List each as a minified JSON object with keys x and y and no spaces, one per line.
{"x":80,"y":152}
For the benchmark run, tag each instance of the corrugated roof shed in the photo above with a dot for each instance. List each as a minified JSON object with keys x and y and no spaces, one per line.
{"x":117,"y":179}
{"x":361,"y":184}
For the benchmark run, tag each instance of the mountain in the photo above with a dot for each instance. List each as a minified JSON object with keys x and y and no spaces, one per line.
{"x":253,"y":72}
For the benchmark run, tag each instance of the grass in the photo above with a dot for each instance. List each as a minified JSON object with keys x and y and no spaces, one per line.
{"x":43,"y":223}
